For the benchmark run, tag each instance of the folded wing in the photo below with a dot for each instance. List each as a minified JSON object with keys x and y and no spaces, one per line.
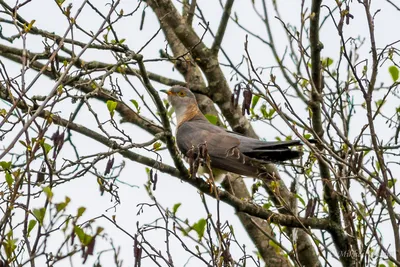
{"x":232,"y":152}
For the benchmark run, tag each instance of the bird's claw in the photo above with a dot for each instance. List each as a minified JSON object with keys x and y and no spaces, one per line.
{"x":211,"y":182}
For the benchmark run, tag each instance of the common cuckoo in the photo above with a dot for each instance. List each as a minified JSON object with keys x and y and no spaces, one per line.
{"x":228,"y":151}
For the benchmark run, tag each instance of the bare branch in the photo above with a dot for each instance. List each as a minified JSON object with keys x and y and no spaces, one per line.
{"x":222,"y":27}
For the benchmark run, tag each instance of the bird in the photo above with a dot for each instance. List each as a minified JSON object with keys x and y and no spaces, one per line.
{"x":227,"y":151}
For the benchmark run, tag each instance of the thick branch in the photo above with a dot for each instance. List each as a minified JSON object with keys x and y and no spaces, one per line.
{"x":222,"y":27}
{"x":195,"y":80}
{"x":127,"y":114}
{"x":341,"y":241}
{"x":219,"y":90}
{"x":191,"y":12}
{"x":237,"y":203}
{"x":259,"y":230}
{"x":170,"y":142}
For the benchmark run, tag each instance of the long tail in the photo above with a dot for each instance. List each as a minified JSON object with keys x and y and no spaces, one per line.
{"x":275,"y":151}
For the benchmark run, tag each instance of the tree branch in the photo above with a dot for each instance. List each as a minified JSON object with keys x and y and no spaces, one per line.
{"x":219,"y":90}
{"x":191,"y":11}
{"x":222,"y":27}
{"x":374,"y":136}
{"x":240,"y":205}
{"x":101,"y":94}
{"x":340,"y":240}
{"x":170,"y":142}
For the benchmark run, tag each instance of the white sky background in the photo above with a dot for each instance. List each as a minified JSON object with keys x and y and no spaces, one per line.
{"x":84,"y":191}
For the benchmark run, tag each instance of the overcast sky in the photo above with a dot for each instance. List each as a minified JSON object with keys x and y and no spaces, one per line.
{"x":84,"y":191}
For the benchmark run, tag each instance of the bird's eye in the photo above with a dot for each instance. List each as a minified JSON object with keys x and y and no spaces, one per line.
{"x":181,"y":94}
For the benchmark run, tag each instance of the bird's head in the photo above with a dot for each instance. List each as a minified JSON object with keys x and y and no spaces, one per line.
{"x":184,"y":102}
{"x":179,"y":96}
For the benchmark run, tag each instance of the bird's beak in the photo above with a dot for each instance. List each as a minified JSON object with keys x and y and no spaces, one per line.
{"x":168,"y":92}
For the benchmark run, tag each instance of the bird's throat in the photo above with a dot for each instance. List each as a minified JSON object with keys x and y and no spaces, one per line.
{"x":187,"y":113}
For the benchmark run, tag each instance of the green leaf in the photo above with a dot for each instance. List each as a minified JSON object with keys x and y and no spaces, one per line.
{"x":83,"y":237}
{"x":307,"y":136}
{"x":175,"y":208}
{"x":39,"y":214}
{"x":65,"y":228}
{"x":9,"y":247}
{"x":23,"y":143}
{"x":135,"y":103}
{"x":255,"y":101}
{"x":9,"y":179}
{"x":304,"y":83}
{"x":379,"y":103}
{"x":156,"y":146}
{"x":122,"y":41}
{"x":263,"y":110}
{"x":3,"y":112}
{"x":366,"y":152}
{"x":28,"y":27}
{"x":48,"y":192}
{"x":79,"y":232}
{"x":271,"y":112}
{"x":200,"y":227}
{"x":275,"y":246}
{"x":327,"y":62}
{"x":267,"y":205}
{"x":111,"y":105}
{"x":5,"y":165}
{"x":185,"y":232}
{"x":81,"y":210}
{"x":99,"y":230}
{"x":31,"y":225}
{"x":62,"y":205}
{"x":365,"y":69}
{"x":301,"y":199}
{"x":391,"y":183}
{"x":60,"y":89}
{"x":47,"y":148}
{"x":394,"y":72}
{"x":212,"y":118}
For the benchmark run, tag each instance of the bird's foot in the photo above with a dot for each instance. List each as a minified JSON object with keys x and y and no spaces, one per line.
{"x":211,"y":182}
